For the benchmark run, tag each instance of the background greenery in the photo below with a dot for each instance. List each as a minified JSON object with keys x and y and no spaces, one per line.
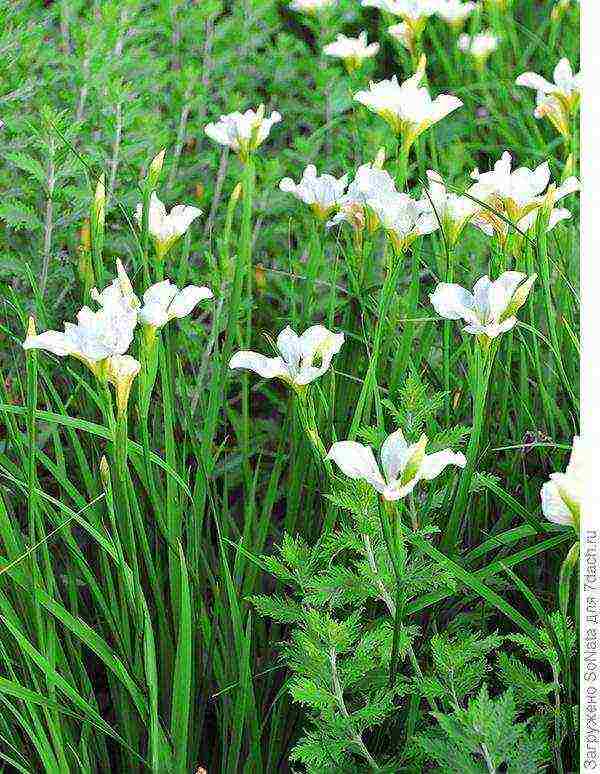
{"x":128,"y":640}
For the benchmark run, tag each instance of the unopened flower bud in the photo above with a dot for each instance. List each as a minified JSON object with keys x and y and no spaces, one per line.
{"x":98,"y":209}
{"x":84,"y":236}
{"x":155,"y":169}
{"x":236,"y":193}
{"x":121,"y":372}
{"x":105,"y":473}
{"x":379,"y":160}
{"x":569,"y":169}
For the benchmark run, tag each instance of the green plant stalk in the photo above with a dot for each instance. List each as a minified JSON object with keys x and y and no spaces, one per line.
{"x":568,"y":567}
{"x":32,"y":398}
{"x":447,"y":333}
{"x":218,"y":387}
{"x":50,"y":183}
{"x":339,"y":696}
{"x":396,"y":551}
{"x":173,"y":516}
{"x":149,"y":347}
{"x":120,"y":446}
{"x":145,"y":234}
{"x":308,"y":420}
{"x":248,"y":183}
{"x":314,"y":266}
{"x":402,"y":164}
{"x":412,"y":300}
{"x":483,"y":357}
{"x":306,"y":411}
{"x":557,"y":730}
{"x":548,"y":402}
{"x":542,"y":243}
{"x":96,"y":245}
{"x":507,"y":364}
{"x":184,"y":259}
{"x":125,"y":604}
{"x":370,"y":382}
{"x":450,"y":69}
{"x":119,"y":432}
{"x":45,"y":634}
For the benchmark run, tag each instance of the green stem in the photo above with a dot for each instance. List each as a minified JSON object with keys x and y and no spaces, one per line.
{"x":401,"y":165}
{"x":339,"y":695}
{"x":119,"y":432}
{"x":370,"y":382}
{"x":246,"y":261}
{"x":144,"y":233}
{"x":447,"y":336}
{"x":557,"y":731}
{"x":396,"y":552}
{"x":481,"y":369}
{"x":550,"y":311}
{"x":147,"y":379}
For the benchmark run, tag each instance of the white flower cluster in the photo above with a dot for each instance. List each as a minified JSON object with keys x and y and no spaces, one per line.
{"x":407,"y":107}
{"x":243,"y":132}
{"x":518,"y":196}
{"x":562,"y":494}
{"x":415,"y":13}
{"x":558,"y":101}
{"x":496,"y":199}
{"x":101,"y":339}
{"x":166,"y":229}
{"x":353,"y":51}
{"x":301,"y":360}
{"x":479,"y":46}
{"x":371,"y":201}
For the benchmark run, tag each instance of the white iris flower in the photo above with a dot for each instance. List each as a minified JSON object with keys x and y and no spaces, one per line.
{"x":403,"y":465}
{"x":561,"y":496}
{"x":243,"y":132}
{"x":164,"y":301}
{"x":167,"y":228}
{"x":351,"y":50}
{"x":407,"y":107}
{"x":321,"y":192}
{"x":490,"y":309}
{"x":302,"y":359}
{"x":557,"y":101}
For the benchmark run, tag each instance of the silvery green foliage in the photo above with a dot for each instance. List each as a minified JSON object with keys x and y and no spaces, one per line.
{"x":339,"y":601}
{"x":126,"y":81}
{"x":474,"y":729}
{"x":485,"y":736}
{"x":339,"y":649}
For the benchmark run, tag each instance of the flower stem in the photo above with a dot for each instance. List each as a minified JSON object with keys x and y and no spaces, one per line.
{"x":118,"y":426}
{"x":557,"y":732}
{"x":383,"y":592}
{"x":147,"y":380}
{"x":551,"y":312}
{"x":144,"y":233}
{"x":246,"y":261}
{"x":397,"y":554}
{"x":447,"y":335}
{"x":370,"y":382}
{"x":339,"y":695}
{"x":401,"y":165}
{"x":481,"y":370}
